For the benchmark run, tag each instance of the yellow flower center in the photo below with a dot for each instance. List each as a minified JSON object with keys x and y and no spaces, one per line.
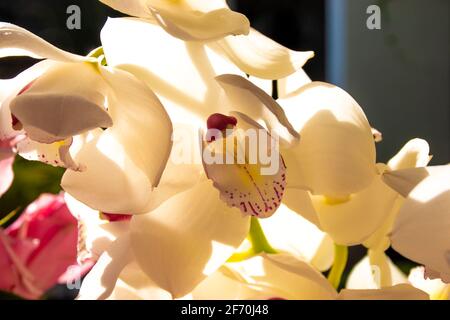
{"x":333,"y":201}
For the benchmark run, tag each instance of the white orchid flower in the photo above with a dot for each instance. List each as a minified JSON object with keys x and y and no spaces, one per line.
{"x":420,"y":231}
{"x":67,"y":99}
{"x":187,"y":231}
{"x":263,"y":277}
{"x":365,"y":217}
{"x":177,"y":245}
{"x":352,"y":221}
{"x":225,"y":31}
{"x":201,"y":90}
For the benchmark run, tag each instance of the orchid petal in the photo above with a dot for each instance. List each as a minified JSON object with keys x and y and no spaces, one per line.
{"x":10,"y":89}
{"x":414,"y":154}
{"x":53,"y":109}
{"x":365,"y":276}
{"x":336,"y":155}
{"x":282,"y":276}
{"x":300,"y":201}
{"x":190,"y":20}
{"x":351,"y":221}
{"x":288,"y":232}
{"x":421,"y":229}
{"x":398,"y":292}
{"x":247,"y":183}
{"x":95,"y":234}
{"x":101,"y":280}
{"x":405,"y":180}
{"x":187,"y":238}
{"x":180,"y":73}
{"x":263,"y":84}
{"x":289,"y":85}
{"x":221,"y":285}
{"x":198,"y":26}
{"x":16,"y":41}
{"x":260,"y":56}
{"x":55,"y":154}
{"x":434,"y":287}
{"x":247,"y":98}
{"x":124,"y":155}
{"x":133,"y":284}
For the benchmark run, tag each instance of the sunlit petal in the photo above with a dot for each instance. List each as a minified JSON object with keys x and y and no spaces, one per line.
{"x":398,"y":292}
{"x":336,"y":155}
{"x":55,"y":154}
{"x":260,"y":56}
{"x":67,"y":100}
{"x":95,"y":234}
{"x":10,"y":89}
{"x":121,"y":163}
{"x":16,"y":41}
{"x":421,"y":229}
{"x":282,"y":276}
{"x":287,"y":86}
{"x":365,"y":276}
{"x":247,"y":98}
{"x":414,"y":154}
{"x":180,"y":73}
{"x":191,"y":20}
{"x":351,"y":221}
{"x":100,"y":281}
{"x":187,"y":238}
{"x":288,"y":232}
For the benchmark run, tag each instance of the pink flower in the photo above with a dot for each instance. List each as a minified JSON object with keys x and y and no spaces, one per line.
{"x":37,"y":250}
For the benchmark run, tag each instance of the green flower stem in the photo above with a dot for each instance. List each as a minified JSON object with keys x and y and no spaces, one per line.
{"x":8,"y":217}
{"x":258,"y":238}
{"x":340,"y":262}
{"x":96,"y":53}
{"x":258,"y":241}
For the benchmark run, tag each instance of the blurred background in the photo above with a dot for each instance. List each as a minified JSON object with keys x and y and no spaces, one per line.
{"x":399,"y":74}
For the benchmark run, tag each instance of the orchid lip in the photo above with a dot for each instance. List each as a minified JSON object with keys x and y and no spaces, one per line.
{"x":219,"y":125}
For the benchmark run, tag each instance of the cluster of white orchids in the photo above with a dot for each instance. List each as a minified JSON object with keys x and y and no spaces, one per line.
{"x":203,"y":163}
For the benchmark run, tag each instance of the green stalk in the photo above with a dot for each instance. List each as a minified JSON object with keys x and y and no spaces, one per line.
{"x":258,"y":241}
{"x":340,"y":262}
{"x":258,"y":238}
{"x":8,"y":217}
